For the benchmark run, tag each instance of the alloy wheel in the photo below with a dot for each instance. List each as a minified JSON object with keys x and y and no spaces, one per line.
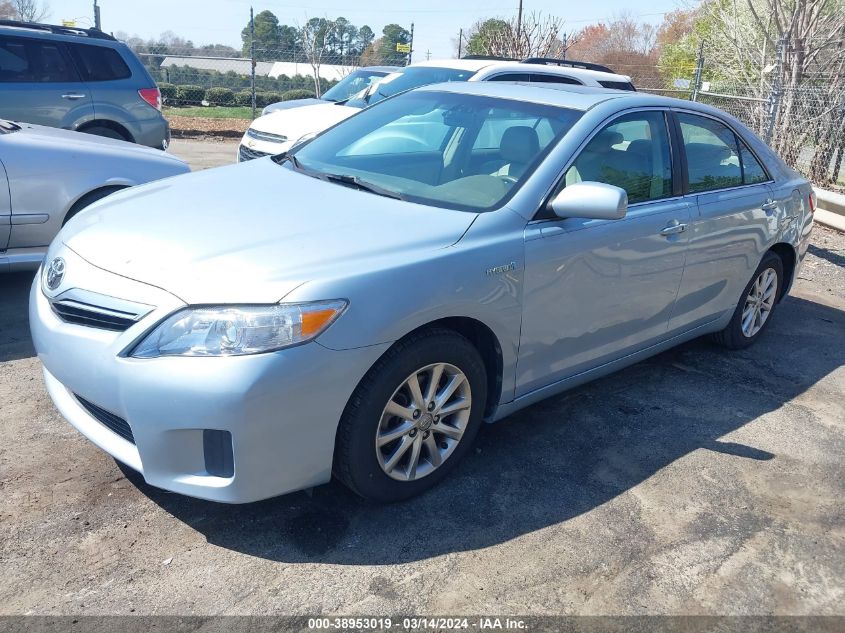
{"x":759,"y":302}
{"x":423,"y":422}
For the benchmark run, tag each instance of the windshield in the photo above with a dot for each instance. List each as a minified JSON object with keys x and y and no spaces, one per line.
{"x":457,"y":151}
{"x":352,"y":83}
{"x":7,"y":127}
{"x":412,"y":77}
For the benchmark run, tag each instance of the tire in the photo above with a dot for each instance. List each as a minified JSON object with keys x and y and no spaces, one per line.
{"x":365,"y":467}
{"x":734,"y":336}
{"x":88,"y":199}
{"x":101,"y":130}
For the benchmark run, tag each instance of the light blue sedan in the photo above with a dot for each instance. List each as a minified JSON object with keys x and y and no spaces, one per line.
{"x":362,"y":304}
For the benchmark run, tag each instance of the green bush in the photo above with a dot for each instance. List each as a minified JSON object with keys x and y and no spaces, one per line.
{"x":189,"y":95}
{"x":243,"y":98}
{"x":297,"y":93}
{"x":168,"y":92}
{"x":220,"y":96}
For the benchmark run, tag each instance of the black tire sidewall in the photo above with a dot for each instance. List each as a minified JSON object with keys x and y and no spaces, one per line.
{"x":361,"y":469}
{"x":737,"y":338}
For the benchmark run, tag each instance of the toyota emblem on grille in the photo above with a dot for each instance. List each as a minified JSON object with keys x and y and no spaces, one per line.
{"x":55,"y":273}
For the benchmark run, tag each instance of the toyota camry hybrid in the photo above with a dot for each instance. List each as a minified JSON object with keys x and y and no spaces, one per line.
{"x":360,"y":305}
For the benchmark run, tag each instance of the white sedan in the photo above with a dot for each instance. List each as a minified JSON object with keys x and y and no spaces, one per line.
{"x":48,"y":175}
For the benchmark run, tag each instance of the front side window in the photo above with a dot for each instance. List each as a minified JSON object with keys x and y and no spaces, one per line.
{"x":712,"y":154}
{"x":632,"y":153}
{"x":458,"y":151}
{"x":99,"y":63}
{"x":33,"y":61}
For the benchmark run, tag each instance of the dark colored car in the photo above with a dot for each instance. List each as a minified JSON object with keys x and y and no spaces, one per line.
{"x":78,"y":79}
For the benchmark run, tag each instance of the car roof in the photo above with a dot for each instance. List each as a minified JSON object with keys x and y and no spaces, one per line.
{"x":549,"y":69}
{"x":53,"y":31}
{"x":382,"y":69}
{"x":562,"y":95}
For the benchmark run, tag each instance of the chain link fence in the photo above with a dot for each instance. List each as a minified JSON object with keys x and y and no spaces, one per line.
{"x":804,"y":123}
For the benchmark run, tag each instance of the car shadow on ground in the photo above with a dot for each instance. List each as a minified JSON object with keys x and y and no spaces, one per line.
{"x":15,"y":341}
{"x":548,"y":463}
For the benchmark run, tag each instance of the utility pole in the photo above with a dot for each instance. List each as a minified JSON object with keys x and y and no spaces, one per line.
{"x":519,"y":23}
{"x":428,"y":55}
{"x":460,"y":41}
{"x":699,"y":70}
{"x":252,"y":55}
{"x":97,"y":16}
{"x":411,"y":43}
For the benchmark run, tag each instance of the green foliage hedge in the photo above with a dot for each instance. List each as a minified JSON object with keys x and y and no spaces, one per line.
{"x":220,"y":96}
{"x":168,"y":92}
{"x":189,"y":95}
{"x":298,"y":93}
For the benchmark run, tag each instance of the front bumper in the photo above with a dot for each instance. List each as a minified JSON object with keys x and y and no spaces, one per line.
{"x":281,"y":408}
{"x":251,"y":148}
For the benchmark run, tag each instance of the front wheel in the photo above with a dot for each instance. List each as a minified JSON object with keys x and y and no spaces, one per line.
{"x":413,"y":417}
{"x":756,"y":305}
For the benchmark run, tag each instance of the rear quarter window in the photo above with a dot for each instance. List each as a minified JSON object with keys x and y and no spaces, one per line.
{"x":618,"y":85}
{"x":99,"y":63}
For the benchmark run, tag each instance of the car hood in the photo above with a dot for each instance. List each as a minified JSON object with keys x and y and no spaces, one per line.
{"x":293,"y":103}
{"x":298,"y":122}
{"x":251,"y":233}
{"x":50,"y":137}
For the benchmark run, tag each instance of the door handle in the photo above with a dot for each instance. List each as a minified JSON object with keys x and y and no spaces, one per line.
{"x":73,"y":96}
{"x":673,"y":228}
{"x":769,"y":205}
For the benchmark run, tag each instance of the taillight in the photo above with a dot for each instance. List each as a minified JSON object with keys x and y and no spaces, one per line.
{"x":812,"y":199}
{"x":151,"y":96}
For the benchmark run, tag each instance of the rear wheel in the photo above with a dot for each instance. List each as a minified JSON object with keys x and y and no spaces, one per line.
{"x":101,"y":130}
{"x":756,"y":305}
{"x":412,"y":418}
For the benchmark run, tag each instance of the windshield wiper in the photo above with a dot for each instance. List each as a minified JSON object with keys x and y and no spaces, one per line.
{"x":363,"y":185}
{"x":280,"y":158}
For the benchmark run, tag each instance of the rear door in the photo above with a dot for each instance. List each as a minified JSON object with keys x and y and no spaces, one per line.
{"x":732,"y":222}
{"x":5,"y":206}
{"x":39,"y":84}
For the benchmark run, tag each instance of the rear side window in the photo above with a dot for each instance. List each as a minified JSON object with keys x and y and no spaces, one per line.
{"x":536,"y":78}
{"x":98,"y":63}
{"x":712,"y":154}
{"x":618,"y":85}
{"x":33,"y":61}
{"x":752,"y":170}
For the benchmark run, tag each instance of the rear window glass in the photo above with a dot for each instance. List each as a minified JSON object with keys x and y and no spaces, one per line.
{"x":98,"y":63}
{"x":33,"y":61}
{"x":617,"y":85}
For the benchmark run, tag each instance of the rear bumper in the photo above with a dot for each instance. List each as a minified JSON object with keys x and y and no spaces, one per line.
{"x":280,"y":409}
{"x":153,"y":132}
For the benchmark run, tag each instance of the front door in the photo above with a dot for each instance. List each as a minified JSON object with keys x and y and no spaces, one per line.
{"x":597,"y":290}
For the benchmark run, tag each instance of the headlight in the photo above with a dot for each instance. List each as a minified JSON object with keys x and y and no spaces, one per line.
{"x":238,"y":330}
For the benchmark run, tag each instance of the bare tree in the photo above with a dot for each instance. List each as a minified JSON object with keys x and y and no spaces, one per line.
{"x":30,"y":10}
{"x":794,"y":50}
{"x":537,"y":36}
{"x":7,"y":10}
{"x":314,"y":35}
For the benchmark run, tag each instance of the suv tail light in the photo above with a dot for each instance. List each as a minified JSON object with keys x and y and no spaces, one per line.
{"x":151,"y":96}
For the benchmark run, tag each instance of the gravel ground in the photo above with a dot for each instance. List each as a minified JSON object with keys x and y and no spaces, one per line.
{"x":697,"y":482}
{"x":197,"y":127}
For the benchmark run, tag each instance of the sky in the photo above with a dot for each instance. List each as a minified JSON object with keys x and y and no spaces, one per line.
{"x":436,"y":22}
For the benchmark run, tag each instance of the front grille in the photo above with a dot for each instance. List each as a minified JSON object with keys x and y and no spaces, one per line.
{"x":266,"y":136}
{"x":244,"y":153}
{"x":93,"y":316}
{"x":112,"y":422}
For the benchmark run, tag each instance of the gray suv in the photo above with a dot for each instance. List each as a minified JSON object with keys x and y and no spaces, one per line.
{"x":78,"y":79}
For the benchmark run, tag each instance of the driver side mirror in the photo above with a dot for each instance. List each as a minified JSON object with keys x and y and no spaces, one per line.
{"x":593,"y":200}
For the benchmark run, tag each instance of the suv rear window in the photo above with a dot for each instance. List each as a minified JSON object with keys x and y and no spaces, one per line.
{"x":33,"y":61}
{"x":99,"y":63}
{"x":617,"y":85}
